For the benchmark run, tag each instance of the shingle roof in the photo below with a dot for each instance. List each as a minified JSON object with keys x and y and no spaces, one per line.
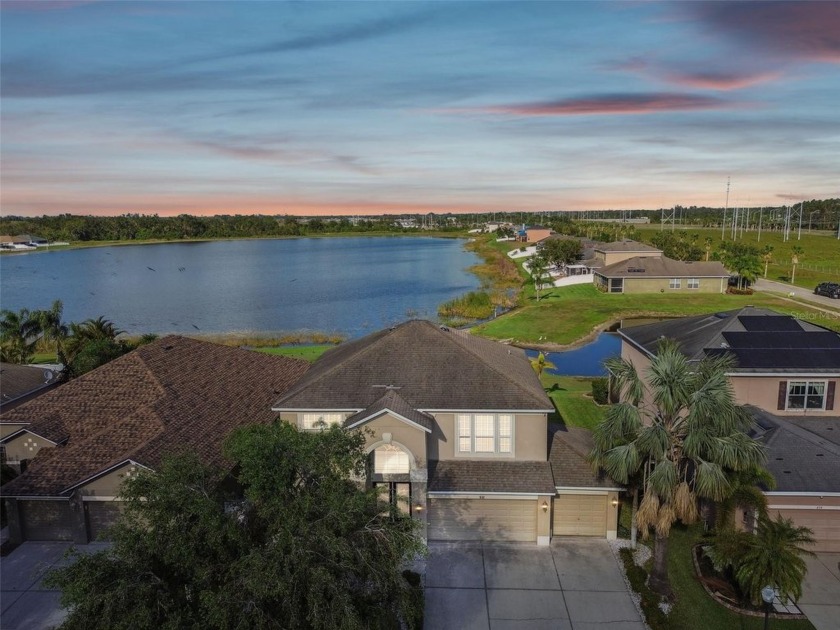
{"x":391,"y":401}
{"x":431,"y":367}
{"x":651,"y":267}
{"x":18,"y":381}
{"x":625,"y":246}
{"x":490,"y":476}
{"x":173,"y":395}
{"x":802,"y":454}
{"x":569,"y":449}
{"x":759,"y":339}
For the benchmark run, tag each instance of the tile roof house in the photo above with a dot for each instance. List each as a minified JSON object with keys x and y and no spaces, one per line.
{"x":78,"y":442}
{"x":457,"y":428}
{"x":786,"y":371}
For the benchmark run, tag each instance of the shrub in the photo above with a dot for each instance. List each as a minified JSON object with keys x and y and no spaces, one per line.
{"x":637,"y":576}
{"x":600,"y":390}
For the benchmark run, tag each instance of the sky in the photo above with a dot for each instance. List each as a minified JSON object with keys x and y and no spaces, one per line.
{"x":403,"y":107}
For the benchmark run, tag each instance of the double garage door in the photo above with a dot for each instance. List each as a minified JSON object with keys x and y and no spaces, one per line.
{"x":483,"y":519}
{"x":53,"y":520}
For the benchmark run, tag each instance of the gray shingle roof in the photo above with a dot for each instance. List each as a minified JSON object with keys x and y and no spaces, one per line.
{"x":430,"y":367}
{"x":802,"y":454}
{"x":490,"y":476}
{"x":626,"y":246}
{"x":760,"y":340}
{"x":391,"y":401}
{"x":569,"y":449}
{"x":652,"y":267}
{"x":159,"y":399}
{"x":19,"y":381}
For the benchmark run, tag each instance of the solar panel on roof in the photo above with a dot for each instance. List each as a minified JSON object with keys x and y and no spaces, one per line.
{"x":785,"y":359}
{"x":766,"y":323}
{"x":799,"y":340}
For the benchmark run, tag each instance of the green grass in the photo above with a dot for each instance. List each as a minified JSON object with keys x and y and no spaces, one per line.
{"x":694,"y":608}
{"x":572,"y":397}
{"x":308,"y":353}
{"x":568,"y":314}
{"x":820,"y":261}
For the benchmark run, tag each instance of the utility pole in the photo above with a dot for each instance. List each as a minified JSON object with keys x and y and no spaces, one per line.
{"x":760,"y":213}
{"x":725,"y":208}
{"x":801,"y":204}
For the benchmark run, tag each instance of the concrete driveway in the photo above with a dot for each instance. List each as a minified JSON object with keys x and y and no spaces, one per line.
{"x":821,"y":591}
{"x":575,"y":584}
{"x":25,"y":604}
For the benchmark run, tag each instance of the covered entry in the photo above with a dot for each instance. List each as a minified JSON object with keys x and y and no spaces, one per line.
{"x":506,"y":519}
{"x":580,"y":515}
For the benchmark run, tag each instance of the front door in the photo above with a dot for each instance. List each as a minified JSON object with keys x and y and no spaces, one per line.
{"x":399,"y":494}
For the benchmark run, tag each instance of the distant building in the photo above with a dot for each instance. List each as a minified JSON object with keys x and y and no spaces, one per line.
{"x":659,"y":274}
{"x":533,"y":233}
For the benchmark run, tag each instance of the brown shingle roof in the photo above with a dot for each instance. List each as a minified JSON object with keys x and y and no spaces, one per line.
{"x":490,"y":476}
{"x":432,"y":368}
{"x":18,"y":381}
{"x":569,"y":449}
{"x":173,"y":395}
{"x":392,"y":401}
{"x":650,"y":267}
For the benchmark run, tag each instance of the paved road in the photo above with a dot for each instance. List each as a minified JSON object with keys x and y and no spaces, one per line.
{"x":574,"y":583}
{"x":803,"y":295}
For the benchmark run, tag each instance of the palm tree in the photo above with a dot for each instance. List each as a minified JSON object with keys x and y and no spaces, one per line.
{"x":54,"y":330}
{"x":90,"y":330}
{"x":796,"y":252}
{"x":744,"y":493}
{"x":767,"y":257}
{"x":537,"y":267}
{"x":541,"y":363}
{"x":708,"y":247}
{"x":19,"y":333}
{"x":679,"y":430}
{"x":774,"y":556}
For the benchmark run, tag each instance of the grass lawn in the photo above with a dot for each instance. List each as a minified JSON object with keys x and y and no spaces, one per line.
{"x":572,"y":397}
{"x":308,"y":353}
{"x":568,"y":314}
{"x":694,"y":608}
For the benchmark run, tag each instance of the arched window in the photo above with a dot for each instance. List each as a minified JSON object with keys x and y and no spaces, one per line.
{"x":390,"y":459}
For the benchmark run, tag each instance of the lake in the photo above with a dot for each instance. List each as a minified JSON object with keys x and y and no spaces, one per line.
{"x":352,"y":286}
{"x":587,"y":360}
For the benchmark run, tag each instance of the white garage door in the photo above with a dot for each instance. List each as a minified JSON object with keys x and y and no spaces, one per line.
{"x":483,"y":519}
{"x":580,"y":515}
{"x":825,"y":523}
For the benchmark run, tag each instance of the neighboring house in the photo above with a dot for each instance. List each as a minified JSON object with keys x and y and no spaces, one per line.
{"x":659,"y":274}
{"x":532,"y":233}
{"x":79,"y":441}
{"x":787,"y":372}
{"x":610,"y":253}
{"x":19,"y":383}
{"x":21,"y":241}
{"x":456,"y":427}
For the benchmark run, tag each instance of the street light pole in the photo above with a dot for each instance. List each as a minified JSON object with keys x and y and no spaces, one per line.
{"x":768,"y":593}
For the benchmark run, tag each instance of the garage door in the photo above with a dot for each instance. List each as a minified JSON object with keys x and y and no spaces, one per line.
{"x":100,"y":515}
{"x":825,"y":523}
{"x":46,"y":520}
{"x":580,"y":515}
{"x":483,"y":519}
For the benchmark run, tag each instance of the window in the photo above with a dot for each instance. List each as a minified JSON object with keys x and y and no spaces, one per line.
{"x":314,"y":421}
{"x":674,"y":283}
{"x":390,"y":459}
{"x":693,"y":283}
{"x":806,"y":395}
{"x":616,"y":285}
{"x":485,"y":433}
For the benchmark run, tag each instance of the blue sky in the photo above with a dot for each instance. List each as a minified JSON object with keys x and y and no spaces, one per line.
{"x":368,"y":107}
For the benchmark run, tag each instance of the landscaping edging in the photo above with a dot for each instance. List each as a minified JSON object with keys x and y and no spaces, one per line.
{"x":735,"y":609}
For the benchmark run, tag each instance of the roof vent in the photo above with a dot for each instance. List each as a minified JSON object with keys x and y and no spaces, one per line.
{"x":444,"y":329}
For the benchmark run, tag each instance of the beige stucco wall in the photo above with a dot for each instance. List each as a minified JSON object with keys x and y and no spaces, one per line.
{"x":25,"y":446}
{"x":763,"y":392}
{"x":642,"y":364}
{"x":412,"y":438}
{"x":8,"y":429}
{"x":109,"y":485}
{"x":611,"y":258}
{"x":529,"y":438}
{"x":656,"y":285}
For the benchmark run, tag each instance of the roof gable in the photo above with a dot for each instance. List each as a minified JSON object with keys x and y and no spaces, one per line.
{"x":392,"y":403}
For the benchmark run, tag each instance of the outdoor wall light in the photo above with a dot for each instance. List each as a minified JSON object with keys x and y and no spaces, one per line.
{"x":615,"y":502}
{"x":544,"y":506}
{"x":418,"y":508}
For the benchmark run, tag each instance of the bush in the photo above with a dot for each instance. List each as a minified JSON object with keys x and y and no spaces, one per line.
{"x":600,"y":390}
{"x":415,"y":620}
{"x":637,"y":576}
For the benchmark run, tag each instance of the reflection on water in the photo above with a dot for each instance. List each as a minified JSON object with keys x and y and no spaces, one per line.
{"x":349,"y":285}
{"x":587,"y":360}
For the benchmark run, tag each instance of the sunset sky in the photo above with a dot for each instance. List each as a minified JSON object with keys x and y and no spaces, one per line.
{"x":367,"y":107}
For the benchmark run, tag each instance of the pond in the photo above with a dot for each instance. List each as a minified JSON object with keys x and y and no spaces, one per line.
{"x":587,"y":360}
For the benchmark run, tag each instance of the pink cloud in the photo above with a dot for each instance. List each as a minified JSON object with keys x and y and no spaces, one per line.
{"x":723,"y":81}
{"x":610,"y":104}
{"x":798,"y":30}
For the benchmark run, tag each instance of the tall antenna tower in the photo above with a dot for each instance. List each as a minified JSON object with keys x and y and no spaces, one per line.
{"x":725,"y":208}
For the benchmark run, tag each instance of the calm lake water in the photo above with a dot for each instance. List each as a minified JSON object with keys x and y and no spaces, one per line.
{"x":348,"y":285}
{"x":587,"y":360}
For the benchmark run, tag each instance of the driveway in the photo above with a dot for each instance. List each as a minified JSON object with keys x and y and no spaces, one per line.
{"x":24,"y":601}
{"x":821,"y":591}
{"x":575,"y":584}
